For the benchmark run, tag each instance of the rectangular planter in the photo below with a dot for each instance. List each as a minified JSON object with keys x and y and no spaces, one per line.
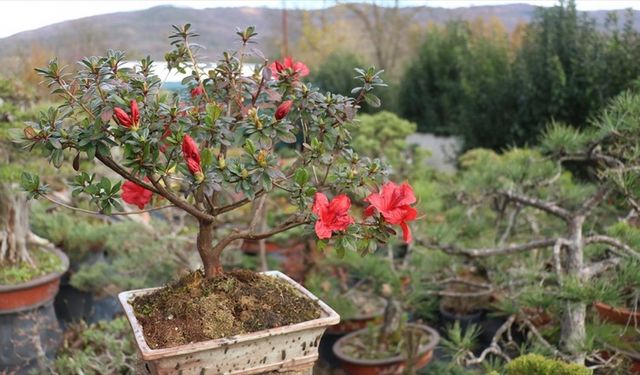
{"x":285,"y":349}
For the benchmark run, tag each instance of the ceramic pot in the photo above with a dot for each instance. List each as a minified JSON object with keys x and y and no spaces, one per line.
{"x":618,"y":315}
{"x":387,"y":366}
{"x":290,"y":348}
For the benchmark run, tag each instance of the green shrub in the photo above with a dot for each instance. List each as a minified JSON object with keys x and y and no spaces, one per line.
{"x":535,"y":364}
{"x":103,"y":348}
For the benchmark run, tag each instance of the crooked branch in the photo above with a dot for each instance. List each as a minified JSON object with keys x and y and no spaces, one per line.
{"x":612,"y":242}
{"x":486,"y":252}
{"x":248,"y":234}
{"x":548,"y":207}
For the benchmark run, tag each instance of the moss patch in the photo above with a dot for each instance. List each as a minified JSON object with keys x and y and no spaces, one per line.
{"x":46,"y":262}
{"x":194,"y":309}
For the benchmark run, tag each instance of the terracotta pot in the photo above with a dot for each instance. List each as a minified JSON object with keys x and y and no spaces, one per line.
{"x":29,"y":330}
{"x":355,"y":324}
{"x":253,"y":247}
{"x":386,"y":366}
{"x":288,"y":348}
{"x":618,"y":315}
{"x":33,"y":293}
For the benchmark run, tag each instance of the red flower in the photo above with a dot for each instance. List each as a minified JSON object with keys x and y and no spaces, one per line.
{"x":288,"y":66}
{"x":124,"y":119}
{"x":133,"y":193}
{"x":135,"y":114}
{"x":191,"y":155}
{"x":393,"y":202}
{"x":197,"y":91}
{"x":332,"y":215}
{"x":283,"y":109}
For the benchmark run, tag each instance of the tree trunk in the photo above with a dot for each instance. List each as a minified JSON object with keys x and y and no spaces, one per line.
{"x":573,"y":331}
{"x":211,"y":263}
{"x":14,"y":225}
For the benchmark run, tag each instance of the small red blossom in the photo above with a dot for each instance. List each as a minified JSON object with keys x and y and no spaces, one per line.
{"x":191,"y":155}
{"x":332,"y":216}
{"x":133,"y":193}
{"x":393,"y":202}
{"x":297,"y":69}
{"x":126,"y":120}
{"x":283,"y":110}
{"x":197,"y":91}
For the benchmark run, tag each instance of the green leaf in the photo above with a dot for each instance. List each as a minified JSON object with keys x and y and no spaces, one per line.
{"x":57,"y":157}
{"x":207,"y":157}
{"x":301,"y":176}
{"x":349,"y":243}
{"x":339,"y":248}
{"x":372,"y":100}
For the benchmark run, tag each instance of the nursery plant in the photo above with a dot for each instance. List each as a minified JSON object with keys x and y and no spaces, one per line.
{"x":547,"y":223}
{"x":209,"y":152}
{"x":30,"y":267}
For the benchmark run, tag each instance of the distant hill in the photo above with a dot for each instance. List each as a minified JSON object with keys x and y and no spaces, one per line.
{"x":144,"y":32}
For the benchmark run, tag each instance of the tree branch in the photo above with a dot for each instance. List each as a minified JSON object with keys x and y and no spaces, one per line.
{"x":486,"y":252}
{"x":593,"y":200}
{"x":62,"y":204}
{"x":111,"y":164}
{"x":493,"y":347}
{"x":182,"y":204}
{"x":292,"y":222}
{"x":240,"y":203}
{"x":600,"y":267}
{"x":548,"y":207}
{"x":612,"y":242}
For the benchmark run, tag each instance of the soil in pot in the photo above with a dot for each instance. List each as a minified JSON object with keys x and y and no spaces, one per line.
{"x":194,"y":309}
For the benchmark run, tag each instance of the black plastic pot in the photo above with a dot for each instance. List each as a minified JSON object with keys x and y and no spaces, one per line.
{"x":29,"y":329}
{"x":28,"y":338}
{"x":490,"y":326}
{"x":325,"y":350}
{"x":448,"y":318}
{"x":73,"y":305}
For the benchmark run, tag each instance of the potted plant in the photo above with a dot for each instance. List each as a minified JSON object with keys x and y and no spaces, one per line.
{"x":464,"y":299}
{"x":393,"y":347}
{"x":30,"y":272}
{"x":196,"y":153}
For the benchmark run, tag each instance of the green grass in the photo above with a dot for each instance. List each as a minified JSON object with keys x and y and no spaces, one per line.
{"x":47,"y":262}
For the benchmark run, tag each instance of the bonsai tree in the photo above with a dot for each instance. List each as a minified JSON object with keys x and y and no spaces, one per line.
{"x":553,"y":217}
{"x":212,"y":151}
{"x":16,"y":238}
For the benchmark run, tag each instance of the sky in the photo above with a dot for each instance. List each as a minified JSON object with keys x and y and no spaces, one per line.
{"x":22,"y":15}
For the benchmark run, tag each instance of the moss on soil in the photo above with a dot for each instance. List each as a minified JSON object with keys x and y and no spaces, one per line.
{"x":194,"y":309}
{"x":46,"y":262}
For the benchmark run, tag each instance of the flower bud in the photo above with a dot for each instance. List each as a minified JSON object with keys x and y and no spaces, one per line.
{"x":283,"y":109}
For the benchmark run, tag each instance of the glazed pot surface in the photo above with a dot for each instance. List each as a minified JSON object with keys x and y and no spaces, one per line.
{"x":288,"y":348}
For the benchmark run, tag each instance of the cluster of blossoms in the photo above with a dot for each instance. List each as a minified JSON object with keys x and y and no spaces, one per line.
{"x":217,"y":148}
{"x":393,"y":203}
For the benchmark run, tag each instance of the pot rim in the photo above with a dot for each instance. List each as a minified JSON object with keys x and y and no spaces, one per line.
{"x":41,"y":279}
{"x":452,"y":315}
{"x":434,"y":338}
{"x":618,"y":310}
{"x":328,"y":317}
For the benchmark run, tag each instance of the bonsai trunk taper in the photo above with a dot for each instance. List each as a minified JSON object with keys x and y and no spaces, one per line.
{"x":14,"y":226}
